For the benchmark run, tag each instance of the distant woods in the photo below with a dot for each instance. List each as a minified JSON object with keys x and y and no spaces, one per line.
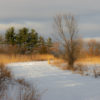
{"x":24,"y":41}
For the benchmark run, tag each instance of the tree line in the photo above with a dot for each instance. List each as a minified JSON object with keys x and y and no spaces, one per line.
{"x":26,"y":41}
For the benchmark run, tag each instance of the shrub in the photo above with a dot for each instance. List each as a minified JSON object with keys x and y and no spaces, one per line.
{"x":27,"y":91}
{"x":4,"y":73}
{"x":12,"y":89}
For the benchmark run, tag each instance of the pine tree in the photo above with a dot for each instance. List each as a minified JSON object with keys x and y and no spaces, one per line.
{"x":10,"y":36}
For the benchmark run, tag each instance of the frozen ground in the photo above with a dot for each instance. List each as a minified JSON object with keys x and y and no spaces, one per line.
{"x":55,"y":84}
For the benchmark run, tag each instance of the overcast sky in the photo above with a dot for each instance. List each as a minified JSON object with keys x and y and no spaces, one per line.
{"x":38,"y":14}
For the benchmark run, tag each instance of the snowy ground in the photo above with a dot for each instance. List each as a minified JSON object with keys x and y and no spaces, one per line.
{"x":55,"y":84}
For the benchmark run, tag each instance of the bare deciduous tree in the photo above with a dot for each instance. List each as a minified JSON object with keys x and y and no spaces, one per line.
{"x":67,"y":29}
{"x":93,"y":47}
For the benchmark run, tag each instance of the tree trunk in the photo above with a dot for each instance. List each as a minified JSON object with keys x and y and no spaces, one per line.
{"x":71,"y":64}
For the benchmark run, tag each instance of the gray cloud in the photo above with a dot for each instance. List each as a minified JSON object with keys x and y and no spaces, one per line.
{"x":39,"y":14}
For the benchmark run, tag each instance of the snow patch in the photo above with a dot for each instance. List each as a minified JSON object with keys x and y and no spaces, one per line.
{"x":57,"y":84}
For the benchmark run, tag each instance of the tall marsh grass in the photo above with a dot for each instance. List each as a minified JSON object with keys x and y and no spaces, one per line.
{"x":5,"y":59}
{"x":89,"y":60}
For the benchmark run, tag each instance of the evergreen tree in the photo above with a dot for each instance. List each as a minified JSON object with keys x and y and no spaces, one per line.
{"x":41,"y":41}
{"x":49,"y":42}
{"x":26,"y":40}
{"x":21,"y":37}
{"x":42,"y":45}
{"x":10,"y":36}
{"x":32,"y":39}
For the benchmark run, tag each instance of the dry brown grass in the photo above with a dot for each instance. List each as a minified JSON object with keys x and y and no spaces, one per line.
{"x":5,"y":73}
{"x":58,"y":62}
{"x":62,"y":64}
{"x":89,"y":60}
{"x":5,"y":59}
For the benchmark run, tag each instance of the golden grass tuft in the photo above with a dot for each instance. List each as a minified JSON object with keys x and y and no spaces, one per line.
{"x":57,"y":61}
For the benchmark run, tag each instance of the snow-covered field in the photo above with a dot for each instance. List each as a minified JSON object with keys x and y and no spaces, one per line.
{"x":56,"y":84}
